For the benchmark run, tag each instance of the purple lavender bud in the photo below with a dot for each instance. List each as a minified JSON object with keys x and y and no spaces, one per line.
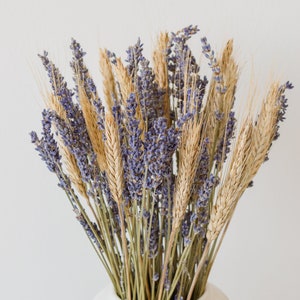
{"x":219,"y":115}
{"x":154,"y":237}
{"x":167,"y":283}
{"x":155,"y":277}
{"x":185,"y":226}
{"x":250,"y":184}
{"x":146,"y":214}
{"x":34,"y":137}
{"x":112,"y":56}
{"x":134,"y":55}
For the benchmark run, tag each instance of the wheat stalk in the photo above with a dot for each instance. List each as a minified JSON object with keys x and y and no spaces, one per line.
{"x":115,"y":177}
{"x":108,"y":79}
{"x":161,"y":71}
{"x":92,"y":127}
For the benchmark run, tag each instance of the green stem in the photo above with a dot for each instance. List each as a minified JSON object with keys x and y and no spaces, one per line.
{"x":198,"y":270}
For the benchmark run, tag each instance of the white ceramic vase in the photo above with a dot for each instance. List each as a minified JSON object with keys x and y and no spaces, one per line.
{"x":211,"y":293}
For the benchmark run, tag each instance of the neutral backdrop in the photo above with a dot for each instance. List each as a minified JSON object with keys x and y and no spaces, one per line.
{"x":44,"y":254}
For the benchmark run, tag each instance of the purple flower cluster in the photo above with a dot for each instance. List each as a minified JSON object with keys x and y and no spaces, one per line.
{"x":210,"y":54}
{"x":80,"y":70}
{"x":185,"y":229}
{"x":283,"y":105}
{"x":49,"y":152}
{"x":89,"y":231}
{"x":73,"y":111}
{"x":134,"y":155}
{"x":157,"y":153}
{"x":150,"y":96}
{"x":223,"y":147}
{"x":182,"y":66}
{"x":200,"y":217}
{"x":134,"y":57}
{"x":154,"y":235}
{"x":47,"y":146}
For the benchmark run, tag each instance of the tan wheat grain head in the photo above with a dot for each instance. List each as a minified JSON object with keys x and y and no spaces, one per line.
{"x":124,"y":80}
{"x":189,"y":151}
{"x":222,"y":103}
{"x":232,"y":186}
{"x":210,"y":122}
{"x":109,"y":87}
{"x":161,"y":71}
{"x":230,"y":77}
{"x":95,"y":134}
{"x":127,"y":88}
{"x":229,"y":69}
{"x":188,"y":84}
{"x":114,"y":158}
{"x":68,"y":159}
{"x":263,"y":133}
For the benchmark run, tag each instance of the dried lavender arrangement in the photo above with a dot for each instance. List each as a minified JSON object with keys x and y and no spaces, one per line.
{"x":155,"y":171}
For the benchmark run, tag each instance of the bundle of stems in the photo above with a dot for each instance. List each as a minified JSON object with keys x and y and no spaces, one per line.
{"x":155,"y":171}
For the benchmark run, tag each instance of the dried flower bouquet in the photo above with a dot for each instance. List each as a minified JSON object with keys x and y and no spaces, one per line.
{"x":154,"y":172}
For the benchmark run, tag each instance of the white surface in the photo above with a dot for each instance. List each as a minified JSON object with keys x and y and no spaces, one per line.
{"x":43,"y":252}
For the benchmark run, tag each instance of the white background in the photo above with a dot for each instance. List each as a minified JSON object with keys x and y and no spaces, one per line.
{"x":44,"y":254}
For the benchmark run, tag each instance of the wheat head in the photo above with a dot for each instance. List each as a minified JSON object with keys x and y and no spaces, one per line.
{"x":109,"y":87}
{"x":189,"y":151}
{"x":94,"y":132}
{"x":114,"y":158}
{"x":231,"y":187}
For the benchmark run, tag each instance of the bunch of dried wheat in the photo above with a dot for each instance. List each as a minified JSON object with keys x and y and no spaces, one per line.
{"x":156,"y":172}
